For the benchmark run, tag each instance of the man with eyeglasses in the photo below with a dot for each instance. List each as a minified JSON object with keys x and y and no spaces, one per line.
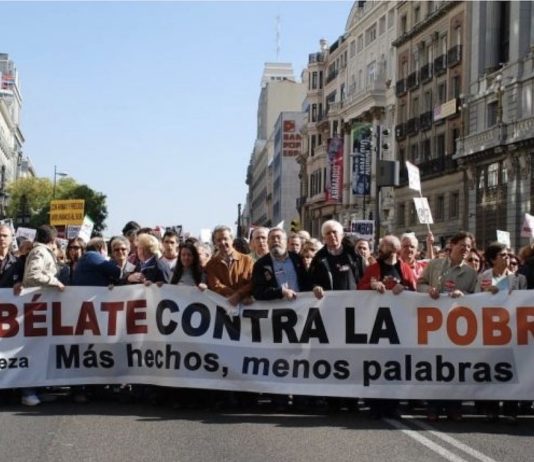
{"x":452,"y":276}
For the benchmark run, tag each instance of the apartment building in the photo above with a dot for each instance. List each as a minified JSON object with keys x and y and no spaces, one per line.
{"x":496,"y":147}
{"x":431,"y":78}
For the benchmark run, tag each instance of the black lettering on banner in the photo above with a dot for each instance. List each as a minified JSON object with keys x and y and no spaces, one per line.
{"x":169,"y":358}
{"x":205,"y":318}
{"x":314,"y":327}
{"x":71,"y":357}
{"x":14,"y":363}
{"x":383,"y":327}
{"x":284,"y":320}
{"x":232,"y":325}
{"x":438,"y":371}
{"x":298,"y":368}
{"x":255,"y":316}
{"x":166,"y":305}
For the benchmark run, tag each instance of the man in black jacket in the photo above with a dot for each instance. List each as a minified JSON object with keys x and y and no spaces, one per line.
{"x":279,"y":274}
{"x":336,"y":266}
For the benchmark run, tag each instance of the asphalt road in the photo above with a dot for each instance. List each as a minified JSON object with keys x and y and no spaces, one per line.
{"x":112,"y":431}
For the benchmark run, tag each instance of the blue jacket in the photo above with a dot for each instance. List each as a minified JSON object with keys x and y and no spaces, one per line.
{"x":93,"y":269}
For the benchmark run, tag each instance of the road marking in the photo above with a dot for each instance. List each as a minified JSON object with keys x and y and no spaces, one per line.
{"x":414,"y":434}
{"x":454,"y":442}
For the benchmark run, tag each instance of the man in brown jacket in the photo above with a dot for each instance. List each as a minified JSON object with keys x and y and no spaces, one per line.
{"x":229,"y":272}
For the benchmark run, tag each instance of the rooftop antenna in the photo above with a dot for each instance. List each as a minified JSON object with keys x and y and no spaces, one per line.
{"x":277,"y":37}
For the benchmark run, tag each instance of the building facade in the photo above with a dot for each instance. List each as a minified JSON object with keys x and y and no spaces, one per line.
{"x":13,"y":163}
{"x":496,"y":149}
{"x":279,"y":92}
{"x":431,"y":77}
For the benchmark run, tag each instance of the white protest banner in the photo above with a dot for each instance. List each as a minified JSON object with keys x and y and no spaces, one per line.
{"x":504,"y":238}
{"x":28,"y":233}
{"x":363,"y":229}
{"x":414,"y":177}
{"x":350,"y":343}
{"x":87,"y":229}
{"x":423,"y":210}
{"x":527,"y":230}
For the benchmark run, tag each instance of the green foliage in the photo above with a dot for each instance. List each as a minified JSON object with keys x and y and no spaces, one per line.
{"x":35,"y":195}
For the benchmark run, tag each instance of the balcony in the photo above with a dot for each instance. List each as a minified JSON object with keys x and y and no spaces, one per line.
{"x":334,"y":108}
{"x":412,"y":126}
{"x":425,"y":120}
{"x":520,"y":130}
{"x":439,"y":166}
{"x":412,"y":82}
{"x":314,"y":58}
{"x":454,"y":55}
{"x":482,"y":141}
{"x":331,"y":76}
{"x":400,"y":132}
{"x":440,"y":65}
{"x":360,"y":100}
{"x":400,"y":87}
{"x":426,"y":73}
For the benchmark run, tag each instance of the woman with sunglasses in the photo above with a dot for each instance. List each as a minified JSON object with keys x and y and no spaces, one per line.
{"x":75,"y":249}
{"x":497,"y":278}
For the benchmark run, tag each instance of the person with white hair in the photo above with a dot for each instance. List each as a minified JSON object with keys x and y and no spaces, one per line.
{"x":258,"y":242}
{"x":409,"y":252}
{"x":336,"y":266}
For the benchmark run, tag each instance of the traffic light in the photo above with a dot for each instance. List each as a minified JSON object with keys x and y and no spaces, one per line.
{"x":295,"y":226}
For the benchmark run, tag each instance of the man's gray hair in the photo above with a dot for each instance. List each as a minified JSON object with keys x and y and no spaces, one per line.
{"x":331,"y":224}
{"x":220,"y":229}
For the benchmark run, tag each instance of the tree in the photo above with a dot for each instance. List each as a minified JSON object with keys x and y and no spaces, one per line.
{"x":33,"y":196}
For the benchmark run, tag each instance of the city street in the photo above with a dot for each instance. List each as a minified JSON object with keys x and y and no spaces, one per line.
{"x":102,"y":431}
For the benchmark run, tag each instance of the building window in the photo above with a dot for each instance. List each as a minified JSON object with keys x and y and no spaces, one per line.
{"x":455,"y":134}
{"x":442,"y":92}
{"x":428,"y":101}
{"x":401,"y":218}
{"x":312,"y":145}
{"x":352,"y":49}
{"x":382,"y":25}
{"x":427,"y":152}
{"x":415,"y":107}
{"x":440,"y":145}
{"x":360,"y":43}
{"x":492,"y":114}
{"x":416,"y":14}
{"x":414,"y":153}
{"x":440,"y":207}
{"x":403,"y":24}
{"x":493,"y":175}
{"x":314,"y":80}
{"x":456,"y":86}
{"x":454,"y":206}
{"x":371,"y":73}
{"x":320,"y":79}
{"x":370,"y":35}
{"x":391,"y":18}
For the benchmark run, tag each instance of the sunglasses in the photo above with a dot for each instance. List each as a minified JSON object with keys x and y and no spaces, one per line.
{"x":513,"y":263}
{"x":473,"y":260}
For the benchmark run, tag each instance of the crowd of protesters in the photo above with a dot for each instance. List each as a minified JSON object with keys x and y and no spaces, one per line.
{"x":271,"y":265}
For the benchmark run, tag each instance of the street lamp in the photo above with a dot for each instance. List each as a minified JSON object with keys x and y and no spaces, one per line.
{"x":56,"y":174}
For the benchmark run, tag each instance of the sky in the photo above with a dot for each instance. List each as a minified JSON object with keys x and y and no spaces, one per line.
{"x":154,"y":103}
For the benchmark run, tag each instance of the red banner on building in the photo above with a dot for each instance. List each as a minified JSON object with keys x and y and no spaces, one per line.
{"x":334,"y":170}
